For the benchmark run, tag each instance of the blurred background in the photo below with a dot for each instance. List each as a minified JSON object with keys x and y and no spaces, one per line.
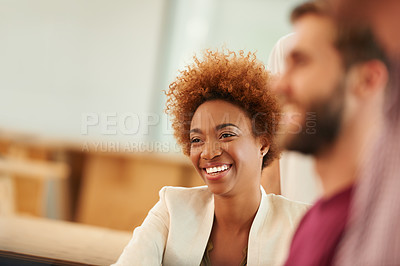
{"x":83,"y":136}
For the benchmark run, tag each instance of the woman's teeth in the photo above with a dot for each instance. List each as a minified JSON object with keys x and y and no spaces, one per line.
{"x":214,"y":170}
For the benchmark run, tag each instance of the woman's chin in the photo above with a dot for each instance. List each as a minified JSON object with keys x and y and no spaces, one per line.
{"x":218,"y":189}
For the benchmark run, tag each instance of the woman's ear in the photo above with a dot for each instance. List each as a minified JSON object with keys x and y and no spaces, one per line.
{"x":264,"y":147}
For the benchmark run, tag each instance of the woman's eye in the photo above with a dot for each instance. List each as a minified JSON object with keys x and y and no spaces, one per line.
{"x":227,"y":135}
{"x":194,"y":140}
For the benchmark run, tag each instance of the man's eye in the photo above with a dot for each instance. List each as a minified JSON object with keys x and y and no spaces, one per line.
{"x":300,"y":61}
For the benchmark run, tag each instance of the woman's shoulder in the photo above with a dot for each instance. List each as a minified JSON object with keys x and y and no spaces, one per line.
{"x":279,"y":199}
{"x":172,"y":191}
{"x":193,"y":196}
{"x":286,"y":206}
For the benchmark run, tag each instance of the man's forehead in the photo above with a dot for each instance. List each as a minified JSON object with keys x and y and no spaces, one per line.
{"x":313,"y":32}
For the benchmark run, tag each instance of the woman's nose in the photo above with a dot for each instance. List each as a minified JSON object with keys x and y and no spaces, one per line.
{"x":211,"y":149}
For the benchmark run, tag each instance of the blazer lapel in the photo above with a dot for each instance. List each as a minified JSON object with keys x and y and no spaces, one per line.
{"x":190,"y":229}
{"x":254,"y":245}
{"x":203,"y":234}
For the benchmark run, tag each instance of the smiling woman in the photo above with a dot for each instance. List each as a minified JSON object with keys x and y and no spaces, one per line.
{"x":225,"y":119}
{"x":224,"y":150}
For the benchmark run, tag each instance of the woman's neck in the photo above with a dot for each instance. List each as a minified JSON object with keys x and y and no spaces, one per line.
{"x":236,"y":213}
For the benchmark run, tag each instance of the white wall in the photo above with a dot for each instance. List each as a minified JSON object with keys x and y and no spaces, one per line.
{"x":62,"y":58}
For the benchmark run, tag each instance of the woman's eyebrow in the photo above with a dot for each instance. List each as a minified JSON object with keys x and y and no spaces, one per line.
{"x":195,"y":130}
{"x":221,"y":126}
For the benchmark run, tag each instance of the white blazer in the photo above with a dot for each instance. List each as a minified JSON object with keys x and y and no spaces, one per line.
{"x":177,"y":229}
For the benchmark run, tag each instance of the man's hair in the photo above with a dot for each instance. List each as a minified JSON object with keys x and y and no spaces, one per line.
{"x":355,"y":42}
{"x":309,"y":8}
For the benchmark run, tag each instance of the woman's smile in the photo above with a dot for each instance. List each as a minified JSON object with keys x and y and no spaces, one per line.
{"x":216,"y":172}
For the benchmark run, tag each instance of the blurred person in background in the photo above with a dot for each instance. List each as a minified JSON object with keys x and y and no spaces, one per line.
{"x":373,"y":233}
{"x":299,"y":181}
{"x":225,"y":119}
{"x":382,"y":15}
{"x":333,"y":90}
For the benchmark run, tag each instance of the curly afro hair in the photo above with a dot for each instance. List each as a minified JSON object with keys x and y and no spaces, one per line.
{"x":237,"y":78}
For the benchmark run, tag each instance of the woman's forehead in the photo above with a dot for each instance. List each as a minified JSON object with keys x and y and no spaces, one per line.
{"x":217,"y":112}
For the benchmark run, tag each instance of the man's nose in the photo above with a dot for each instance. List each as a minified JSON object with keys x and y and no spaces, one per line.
{"x":280,"y":83}
{"x":282,"y":87}
{"x":211,"y":149}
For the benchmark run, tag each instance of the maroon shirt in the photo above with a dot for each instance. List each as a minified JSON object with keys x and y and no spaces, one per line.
{"x":320,"y":231}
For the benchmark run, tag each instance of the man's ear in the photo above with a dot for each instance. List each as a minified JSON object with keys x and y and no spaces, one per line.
{"x":373,"y":78}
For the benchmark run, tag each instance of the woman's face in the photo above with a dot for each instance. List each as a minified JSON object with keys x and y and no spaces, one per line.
{"x":223,"y":149}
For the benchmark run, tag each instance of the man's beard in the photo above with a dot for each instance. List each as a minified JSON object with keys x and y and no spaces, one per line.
{"x":325,"y":118}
